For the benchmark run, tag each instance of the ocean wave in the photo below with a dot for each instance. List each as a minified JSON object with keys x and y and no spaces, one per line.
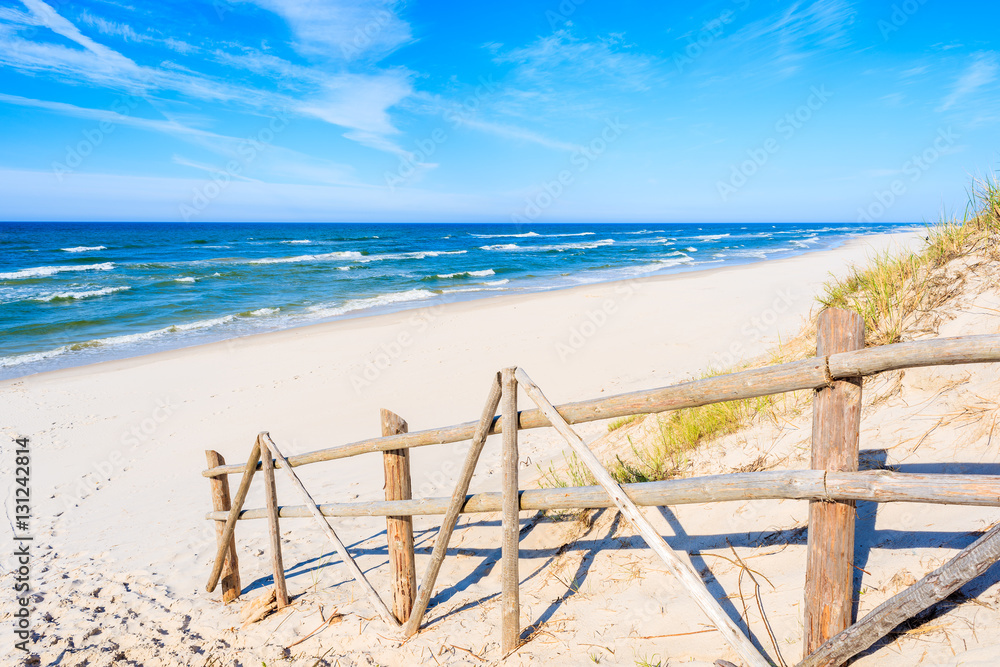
{"x":45,"y":271}
{"x":22,"y":359}
{"x":502,"y":281}
{"x":371,"y":302}
{"x":354,"y":256}
{"x":261,"y":312}
{"x":691,"y":249}
{"x":460,"y":290}
{"x":475,"y":274}
{"x":660,"y":265}
{"x":647,"y":231}
{"x":70,"y":296}
{"x":528,"y":235}
{"x":513,"y":247}
{"x":84,"y":248}
{"x":348,"y":254}
{"x":711,"y":237}
{"x":298,"y":241}
{"x":186,"y":279}
{"x":805,"y":243}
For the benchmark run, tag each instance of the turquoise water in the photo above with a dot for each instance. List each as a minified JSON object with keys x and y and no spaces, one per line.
{"x":74,"y":293}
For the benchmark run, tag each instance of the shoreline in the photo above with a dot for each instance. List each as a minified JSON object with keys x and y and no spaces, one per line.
{"x":455,"y":301}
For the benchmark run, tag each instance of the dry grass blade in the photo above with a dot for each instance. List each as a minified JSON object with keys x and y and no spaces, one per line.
{"x":760,"y":604}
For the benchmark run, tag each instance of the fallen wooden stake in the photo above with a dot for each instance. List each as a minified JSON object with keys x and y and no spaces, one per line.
{"x":345,"y":556}
{"x":260,"y":607}
{"x":968,"y":564}
{"x":227,"y":532}
{"x":684,"y":573}
{"x":454,"y":507}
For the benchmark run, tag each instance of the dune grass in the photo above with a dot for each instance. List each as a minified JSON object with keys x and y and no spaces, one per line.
{"x":894,"y":292}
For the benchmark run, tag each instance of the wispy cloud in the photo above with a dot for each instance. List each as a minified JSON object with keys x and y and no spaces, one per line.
{"x":357,"y":102}
{"x":981,"y":72}
{"x":783,"y":40}
{"x":343,"y":29}
{"x":519,"y":133}
{"x":562,"y":60}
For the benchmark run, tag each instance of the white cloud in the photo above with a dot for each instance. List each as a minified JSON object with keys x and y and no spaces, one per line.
{"x":360,"y":103}
{"x":981,"y":72}
{"x":343,"y":29}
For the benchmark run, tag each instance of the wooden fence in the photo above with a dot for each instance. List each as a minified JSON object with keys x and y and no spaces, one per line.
{"x":832,"y":486}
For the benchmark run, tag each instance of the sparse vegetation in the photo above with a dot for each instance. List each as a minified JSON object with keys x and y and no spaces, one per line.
{"x":616,"y":424}
{"x":896,"y":292}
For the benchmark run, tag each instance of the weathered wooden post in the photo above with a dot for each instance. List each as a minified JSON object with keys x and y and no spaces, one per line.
{"x":510,"y":502}
{"x":836,"y":423}
{"x":399,"y":529}
{"x":277,"y":564}
{"x":222,"y":503}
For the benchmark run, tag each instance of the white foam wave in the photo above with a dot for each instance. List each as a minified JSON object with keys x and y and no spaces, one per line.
{"x":528,"y":235}
{"x":371,"y":302}
{"x":502,"y":281}
{"x":261,"y":312}
{"x":298,"y":241}
{"x":476,"y":274}
{"x":45,"y":271}
{"x":805,"y":243}
{"x":85,"y":248}
{"x":22,"y":359}
{"x":712,"y":237}
{"x":459,"y":290}
{"x":186,"y":279}
{"x":647,"y":231}
{"x":79,"y":295}
{"x":354,"y":256}
{"x":349,"y":255}
{"x":513,"y":247}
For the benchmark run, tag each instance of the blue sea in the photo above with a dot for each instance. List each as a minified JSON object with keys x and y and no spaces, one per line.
{"x":76,"y":293}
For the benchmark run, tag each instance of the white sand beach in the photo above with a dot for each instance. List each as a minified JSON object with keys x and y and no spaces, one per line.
{"x":122,"y":549}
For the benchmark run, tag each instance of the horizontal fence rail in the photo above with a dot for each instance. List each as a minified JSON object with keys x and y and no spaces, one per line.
{"x":813,"y":373}
{"x":876,"y":485}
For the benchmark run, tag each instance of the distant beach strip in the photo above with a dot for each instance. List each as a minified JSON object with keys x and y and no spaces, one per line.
{"x":76,"y":293}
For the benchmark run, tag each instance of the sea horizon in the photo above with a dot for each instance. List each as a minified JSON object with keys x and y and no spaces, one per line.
{"x":75,"y":293}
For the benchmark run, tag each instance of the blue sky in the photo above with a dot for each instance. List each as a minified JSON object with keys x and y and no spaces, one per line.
{"x":350,"y":110}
